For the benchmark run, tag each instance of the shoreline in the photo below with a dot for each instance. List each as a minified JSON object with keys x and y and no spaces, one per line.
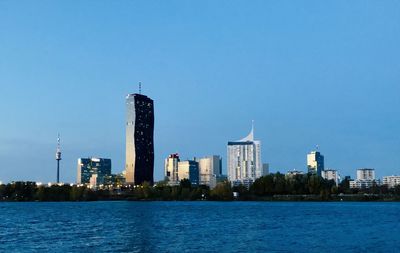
{"x":280,"y":198}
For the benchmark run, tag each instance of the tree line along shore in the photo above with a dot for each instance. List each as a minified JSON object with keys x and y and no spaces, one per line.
{"x":273,"y":187}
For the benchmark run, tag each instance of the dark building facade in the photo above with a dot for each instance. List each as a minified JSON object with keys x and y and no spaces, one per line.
{"x":95,"y":169}
{"x":139,"y":139}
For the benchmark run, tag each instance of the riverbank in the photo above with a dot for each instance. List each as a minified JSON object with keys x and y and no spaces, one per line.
{"x":274,"y":187}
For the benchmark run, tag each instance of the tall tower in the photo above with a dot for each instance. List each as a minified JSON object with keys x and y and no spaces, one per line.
{"x":139,"y":166}
{"x":315,"y":163}
{"x":244,"y":160}
{"x":58,"y":158}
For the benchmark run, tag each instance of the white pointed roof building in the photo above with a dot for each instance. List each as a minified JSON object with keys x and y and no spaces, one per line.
{"x":244,"y":160}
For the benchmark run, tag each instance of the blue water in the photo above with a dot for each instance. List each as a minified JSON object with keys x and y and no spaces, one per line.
{"x":199,"y":227}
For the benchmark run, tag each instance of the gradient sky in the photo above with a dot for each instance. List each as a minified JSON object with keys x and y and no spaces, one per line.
{"x":308,"y":73}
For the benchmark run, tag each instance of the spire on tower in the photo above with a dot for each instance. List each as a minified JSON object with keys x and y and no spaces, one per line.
{"x":250,"y":137}
{"x":58,"y":142}
{"x":140,"y":87}
{"x":58,"y":152}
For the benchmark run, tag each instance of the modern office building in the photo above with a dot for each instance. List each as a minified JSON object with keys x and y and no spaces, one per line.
{"x":210,"y":169}
{"x":365,"y":179}
{"x":171,"y":169}
{"x":244,"y":160}
{"x":139,"y":165}
{"x":189,"y":170}
{"x":391,"y":181}
{"x":330,"y":174}
{"x":315,"y":163}
{"x":93,"y":171}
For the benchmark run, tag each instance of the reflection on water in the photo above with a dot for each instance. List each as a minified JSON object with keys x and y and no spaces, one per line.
{"x":199,"y":227}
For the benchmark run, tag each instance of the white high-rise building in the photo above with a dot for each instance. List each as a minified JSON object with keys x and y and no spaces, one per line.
{"x":171,"y":169}
{"x":365,"y":179}
{"x":365,"y":174}
{"x":244,"y":160}
{"x":210,"y":168}
{"x":331,"y":175}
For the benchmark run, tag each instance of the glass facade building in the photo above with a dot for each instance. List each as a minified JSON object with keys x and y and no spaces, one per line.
{"x":315,"y":163}
{"x":139,"y":166}
{"x":94,"y":171}
{"x":189,"y":170}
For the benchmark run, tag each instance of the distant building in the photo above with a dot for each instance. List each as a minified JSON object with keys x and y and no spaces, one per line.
{"x":115,"y":179}
{"x":293,"y":173}
{"x":365,"y":179}
{"x":244,"y":160}
{"x":171,"y":169}
{"x":210,"y":168}
{"x":93,"y":181}
{"x":93,"y":171}
{"x":265,"y":170}
{"x":139,"y":165}
{"x":391,"y":181}
{"x":315,"y":163}
{"x":222,"y":178}
{"x":189,"y":170}
{"x":365,"y":174}
{"x":331,"y":175}
{"x":362,"y":184}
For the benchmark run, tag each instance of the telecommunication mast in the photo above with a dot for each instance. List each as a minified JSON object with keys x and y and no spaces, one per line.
{"x":58,"y":158}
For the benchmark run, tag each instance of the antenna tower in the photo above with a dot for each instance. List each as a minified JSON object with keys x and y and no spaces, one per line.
{"x":58,"y":158}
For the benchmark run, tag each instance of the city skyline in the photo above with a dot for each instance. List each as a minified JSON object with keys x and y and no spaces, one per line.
{"x":307,"y":74}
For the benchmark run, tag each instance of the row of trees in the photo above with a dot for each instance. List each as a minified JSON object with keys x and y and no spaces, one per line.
{"x":29,"y":191}
{"x":273,"y":185}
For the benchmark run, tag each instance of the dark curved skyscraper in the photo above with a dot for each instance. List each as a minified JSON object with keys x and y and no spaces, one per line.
{"x":139,"y":139}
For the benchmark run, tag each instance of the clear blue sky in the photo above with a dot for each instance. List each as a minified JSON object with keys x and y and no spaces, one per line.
{"x":308,"y":72}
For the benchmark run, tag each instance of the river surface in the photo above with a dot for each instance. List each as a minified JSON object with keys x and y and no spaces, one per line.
{"x":200,"y":227}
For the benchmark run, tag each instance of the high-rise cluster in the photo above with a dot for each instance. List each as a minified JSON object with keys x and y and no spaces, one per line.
{"x":139,"y":162}
{"x":204,"y":171}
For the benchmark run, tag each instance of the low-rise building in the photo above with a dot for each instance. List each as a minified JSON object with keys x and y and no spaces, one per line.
{"x":292,"y":173}
{"x":361,"y":184}
{"x":245,"y":182}
{"x":391,"y":181}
